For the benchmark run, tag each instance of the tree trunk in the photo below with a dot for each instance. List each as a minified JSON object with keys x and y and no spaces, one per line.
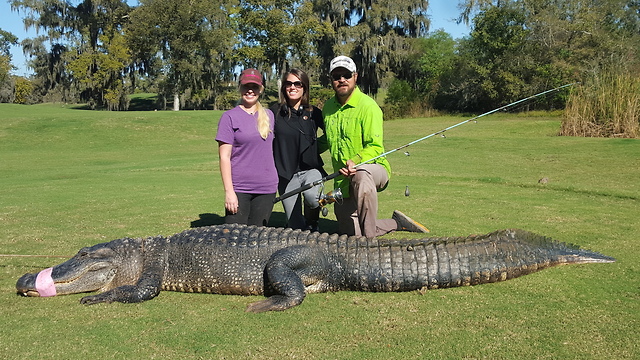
{"x":176,"y":102}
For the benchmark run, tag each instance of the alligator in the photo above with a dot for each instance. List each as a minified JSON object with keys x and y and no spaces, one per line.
{"x":284,"y":264}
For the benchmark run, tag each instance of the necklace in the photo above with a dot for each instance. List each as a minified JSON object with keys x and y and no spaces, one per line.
{"x":250,"y":110}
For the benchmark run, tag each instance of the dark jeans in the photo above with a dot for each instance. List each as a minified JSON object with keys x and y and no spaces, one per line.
{"x":253,"y":209}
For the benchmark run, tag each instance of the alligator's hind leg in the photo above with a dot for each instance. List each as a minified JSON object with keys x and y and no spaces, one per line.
{"x":286,"y":275}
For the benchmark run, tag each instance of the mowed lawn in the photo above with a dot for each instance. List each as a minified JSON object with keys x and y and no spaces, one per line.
{"x":72,"y":178}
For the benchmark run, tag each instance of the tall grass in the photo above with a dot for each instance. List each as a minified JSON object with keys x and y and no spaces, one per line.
{"x":606,"y":105}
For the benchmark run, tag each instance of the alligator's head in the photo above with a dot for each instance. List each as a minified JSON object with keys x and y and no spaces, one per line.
{"x":97,"y":268}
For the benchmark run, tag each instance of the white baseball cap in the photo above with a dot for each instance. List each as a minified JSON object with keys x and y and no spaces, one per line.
{"x":344,"y":62}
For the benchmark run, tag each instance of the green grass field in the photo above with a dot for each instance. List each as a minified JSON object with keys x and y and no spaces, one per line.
{"x":73,"y":178}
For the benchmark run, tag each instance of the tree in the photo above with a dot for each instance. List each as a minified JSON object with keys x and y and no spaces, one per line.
{"x":585,"y":34}
{"x":6,"y":40}
{"x":574,"y":32}
{"x":494,"y":66}
{"x":187,"y":45}
{"x":100,"y":73}
{"x":99,"y":60}
{"x":375,"y":34}
{"x":5,"y":67}
{"x":266,"y":31}
{"x":51,"y":79}
{"x":417,"y":83}
{"x":470,"y":8}
{"x":438,"y":52}
{"x":279,"y":34}
{"x":520,"y":47}
{"x":48,"y":52}
{"x":77,"y":34}
{"x":6,"y":83}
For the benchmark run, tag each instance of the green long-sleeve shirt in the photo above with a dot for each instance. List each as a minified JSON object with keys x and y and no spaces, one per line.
{"x":354,"y":132}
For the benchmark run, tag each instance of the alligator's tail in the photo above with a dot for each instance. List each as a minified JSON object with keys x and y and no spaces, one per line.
{"x":582,"y":256}
{"x":507,"y":254}
{"x":564,"y":253}
{"x":449,"y":262}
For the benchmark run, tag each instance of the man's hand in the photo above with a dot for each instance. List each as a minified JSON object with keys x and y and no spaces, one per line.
{"x":349,"y":170}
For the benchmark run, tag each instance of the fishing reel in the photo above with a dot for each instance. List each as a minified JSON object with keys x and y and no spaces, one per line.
{"x":328,"y":198}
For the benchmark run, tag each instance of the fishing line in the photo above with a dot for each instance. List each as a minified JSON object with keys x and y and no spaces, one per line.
{"x":441,"y":132}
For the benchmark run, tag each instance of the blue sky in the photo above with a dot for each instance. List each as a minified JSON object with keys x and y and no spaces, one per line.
{"x":442,"y":13}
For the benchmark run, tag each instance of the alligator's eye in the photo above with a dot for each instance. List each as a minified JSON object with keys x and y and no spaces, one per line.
{"x":103,"y":253}
{"x":99,"y":266}
{"x":96,"y":253}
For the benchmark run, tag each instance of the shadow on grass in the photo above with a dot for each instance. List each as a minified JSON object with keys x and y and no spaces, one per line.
{"x":137,"y":102}
{"x":143,"y":103}
{"x":278,"y":219}
{"x":207,"y":219}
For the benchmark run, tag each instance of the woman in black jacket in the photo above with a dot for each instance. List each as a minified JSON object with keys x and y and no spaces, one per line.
{"x":296,"y":149}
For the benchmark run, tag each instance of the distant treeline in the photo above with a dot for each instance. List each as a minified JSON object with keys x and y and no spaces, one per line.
{"x":189,"y":52}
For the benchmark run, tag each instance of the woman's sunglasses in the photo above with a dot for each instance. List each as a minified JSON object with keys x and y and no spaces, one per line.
{"x":296,"y":84}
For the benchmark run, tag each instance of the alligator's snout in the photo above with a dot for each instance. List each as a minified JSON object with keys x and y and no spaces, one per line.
{"x":26,"y":285}
{"x":40,"y":284}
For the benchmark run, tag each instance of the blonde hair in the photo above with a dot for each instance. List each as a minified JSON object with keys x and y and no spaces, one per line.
{"x":264,"y":123}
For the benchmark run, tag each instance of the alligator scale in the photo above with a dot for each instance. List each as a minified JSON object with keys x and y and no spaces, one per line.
{"x":286,"y":264}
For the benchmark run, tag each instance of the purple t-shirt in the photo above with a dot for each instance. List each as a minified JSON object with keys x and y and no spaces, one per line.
{"x":252,"y":167}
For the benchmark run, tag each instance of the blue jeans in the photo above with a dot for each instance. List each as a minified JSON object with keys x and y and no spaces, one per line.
{"x":293,"y":204}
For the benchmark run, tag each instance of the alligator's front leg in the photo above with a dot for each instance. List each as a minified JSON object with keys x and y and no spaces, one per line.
{"x":145,"y":289}
{"x":287,"y":273}
{"x":149,"y":284}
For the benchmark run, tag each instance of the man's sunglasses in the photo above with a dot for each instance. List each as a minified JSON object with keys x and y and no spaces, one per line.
{"x":296,"y":84}
{"x":337,"y":77}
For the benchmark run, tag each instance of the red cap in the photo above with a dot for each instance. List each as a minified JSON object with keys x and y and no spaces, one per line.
{"x":252,"y":76}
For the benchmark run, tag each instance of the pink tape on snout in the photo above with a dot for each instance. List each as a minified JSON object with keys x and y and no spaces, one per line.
{"x":44,"y":283}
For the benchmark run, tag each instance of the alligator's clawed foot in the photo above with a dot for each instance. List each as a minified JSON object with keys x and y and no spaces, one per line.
{"x":273,"y":303}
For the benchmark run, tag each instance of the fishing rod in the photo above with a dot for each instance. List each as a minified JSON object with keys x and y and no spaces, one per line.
{"x":474,"y":119}
{"x":34,"y":256}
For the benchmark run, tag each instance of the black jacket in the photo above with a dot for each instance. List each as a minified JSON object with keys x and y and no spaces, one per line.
{"x":296,"y":143}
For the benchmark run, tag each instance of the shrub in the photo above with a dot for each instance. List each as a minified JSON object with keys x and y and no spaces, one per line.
{"x":227,"y":99}
{"x":403,"y":101}
{"x":319,"y":95}
{"x":23,"y":90}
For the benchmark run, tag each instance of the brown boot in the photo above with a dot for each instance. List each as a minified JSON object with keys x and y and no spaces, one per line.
{"x":311,"y":217}
{"x":406,"y":223}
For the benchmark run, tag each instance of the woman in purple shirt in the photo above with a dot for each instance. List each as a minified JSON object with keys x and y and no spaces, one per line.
{"x":245,"y":139}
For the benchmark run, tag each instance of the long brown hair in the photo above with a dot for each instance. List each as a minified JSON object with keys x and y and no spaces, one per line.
{"x":304,"y":79}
